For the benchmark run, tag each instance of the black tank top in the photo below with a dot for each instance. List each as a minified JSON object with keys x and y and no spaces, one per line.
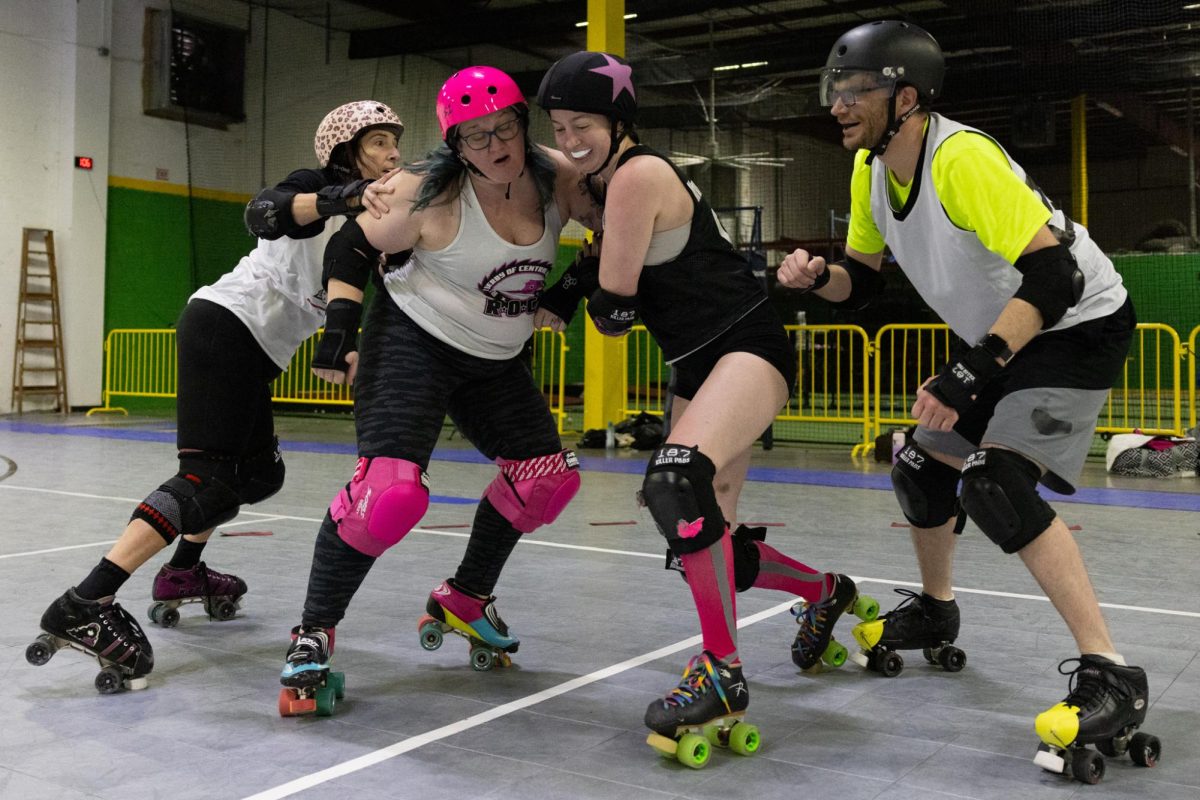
{"x":692,"y":299}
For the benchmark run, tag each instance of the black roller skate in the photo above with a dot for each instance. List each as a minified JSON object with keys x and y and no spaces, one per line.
{"x":103,"y":630}
{"x":705,"y":709}
{"x":917,"y":623}
{"x":814,"y":642}
{"x":221,"y":594}
{"x":308,"y":685}
{"x":1105,"y":705}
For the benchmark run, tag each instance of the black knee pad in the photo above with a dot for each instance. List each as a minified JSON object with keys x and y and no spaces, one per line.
{"x":678,"y":490}
{"x":1000,"y":495}
{"x":745,"y":557}
{"x":926,"y":488}
{"x":261,"y":475}
{"x":199,"y":497}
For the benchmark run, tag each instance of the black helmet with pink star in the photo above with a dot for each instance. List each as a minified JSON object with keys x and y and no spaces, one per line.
{"x":598,"y":83}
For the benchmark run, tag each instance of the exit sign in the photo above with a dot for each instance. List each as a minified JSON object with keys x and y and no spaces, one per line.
{"x":83,"y":162}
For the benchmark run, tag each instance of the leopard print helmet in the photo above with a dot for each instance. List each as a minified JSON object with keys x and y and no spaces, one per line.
{"x":345,"y":122}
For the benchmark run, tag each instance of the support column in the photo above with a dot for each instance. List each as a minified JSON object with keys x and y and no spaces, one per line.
{"x":1079,"y":175}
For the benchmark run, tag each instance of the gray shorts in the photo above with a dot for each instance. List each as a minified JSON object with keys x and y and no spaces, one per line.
{"x":1045,"y":403}
{"x":1052,"y":426}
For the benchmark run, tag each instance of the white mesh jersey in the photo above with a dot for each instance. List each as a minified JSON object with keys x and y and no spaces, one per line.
{"x":966,"y":284}
{"x":276,"y":292}
{"x":479,"y":293}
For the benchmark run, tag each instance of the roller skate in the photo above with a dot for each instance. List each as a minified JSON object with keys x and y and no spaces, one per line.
{"x":220,"y":593}
{"x":1105,"y":705}
{"x":308,"y":685}
{"x":451,"y":609}
{"x":706,"y":709}
{"x":814,"y":641}
{"x":916,"y":623}
{"x":103,"y":630}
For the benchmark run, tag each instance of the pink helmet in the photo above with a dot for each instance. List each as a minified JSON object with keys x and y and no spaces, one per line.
{"x":475,"y":92}
{"x":343,"y":123}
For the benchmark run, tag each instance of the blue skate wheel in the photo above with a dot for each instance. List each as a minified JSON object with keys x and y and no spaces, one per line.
{"x":482,"y":659}
{"x":431,"y":636}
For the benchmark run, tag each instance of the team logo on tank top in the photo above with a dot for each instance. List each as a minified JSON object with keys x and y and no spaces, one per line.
{"x":514,"y":288}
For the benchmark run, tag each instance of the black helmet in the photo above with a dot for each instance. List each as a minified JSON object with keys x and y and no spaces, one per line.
{"x":598,"y":83}
{"x":895,"y":50}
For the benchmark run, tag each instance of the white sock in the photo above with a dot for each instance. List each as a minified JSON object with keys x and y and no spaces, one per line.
{"x":1116,"y":658}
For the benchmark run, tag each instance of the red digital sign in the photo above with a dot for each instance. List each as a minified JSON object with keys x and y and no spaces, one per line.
{"x":83,"y":162}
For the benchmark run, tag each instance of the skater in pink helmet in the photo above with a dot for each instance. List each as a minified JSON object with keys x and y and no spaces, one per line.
{"x":233,"y":339}
{"x":482,"y":215}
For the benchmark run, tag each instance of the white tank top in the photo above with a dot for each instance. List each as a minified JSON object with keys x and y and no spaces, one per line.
{"x":276,"y":292}
{"x":478,"y":293}
{"x":966,"y":284}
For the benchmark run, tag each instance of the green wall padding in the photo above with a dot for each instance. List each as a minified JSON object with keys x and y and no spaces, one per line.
{"x":1165,"y":288}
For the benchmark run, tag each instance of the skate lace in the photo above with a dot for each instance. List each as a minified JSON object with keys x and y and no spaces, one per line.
{"x":811,"y":617}
{"x":910,"y":606}
{"x":124,"y":627}
{"x":493,"y":616}
{"x":1087,"y":687}
{"x":215,"y":584}
{"x":306,"y":647}
{"x":698,"y":680}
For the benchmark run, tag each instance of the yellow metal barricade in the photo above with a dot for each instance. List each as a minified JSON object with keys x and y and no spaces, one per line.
{"x":646,"y":376}
{"x":1193,"y":356}
{"x":904,"y":357}
{"x":144,"y":363}
{"x":138,"y":363}
{"x":1149,"y":394}
{"x":832,"y":379}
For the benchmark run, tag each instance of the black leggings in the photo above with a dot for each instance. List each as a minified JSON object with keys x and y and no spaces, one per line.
{"x":223,"y":402}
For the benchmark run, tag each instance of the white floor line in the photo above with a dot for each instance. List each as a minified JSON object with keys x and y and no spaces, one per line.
{"x":399,"y":748}
{"x":114,"y":541}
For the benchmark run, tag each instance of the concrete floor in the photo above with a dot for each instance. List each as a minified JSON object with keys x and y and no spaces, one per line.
{"x":603,"y":629}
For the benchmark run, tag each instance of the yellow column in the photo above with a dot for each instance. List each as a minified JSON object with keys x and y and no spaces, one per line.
{"x":603,"y":383}
{"x":1079,"y":175}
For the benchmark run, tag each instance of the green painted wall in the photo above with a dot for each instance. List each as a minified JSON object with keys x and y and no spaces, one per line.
{"x":1165,"y":288}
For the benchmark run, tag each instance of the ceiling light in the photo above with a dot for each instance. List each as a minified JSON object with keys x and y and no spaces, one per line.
{"x":584,"y":23}
{"x":747,"y":65}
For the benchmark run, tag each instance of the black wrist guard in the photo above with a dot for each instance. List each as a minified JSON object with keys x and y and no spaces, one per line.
{"x":581,"y":279}
{"x":333,"y":200}
{"x":613,"y":314}
{"x":960,"y":381}
{"x":820,"y":281}
{"x":342,"y":317}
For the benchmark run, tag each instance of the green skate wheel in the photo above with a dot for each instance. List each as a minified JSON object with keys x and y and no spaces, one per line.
{"x":692,"y":750}
{"x":744,"y":739}
{"x":713,"y":734}
{"x":865,"y":608}
{"x":835,"y":654}
{"x":326,"y":699}
{"x":338,"y":681}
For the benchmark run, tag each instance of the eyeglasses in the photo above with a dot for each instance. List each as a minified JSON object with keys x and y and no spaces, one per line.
{"x":830,"y":94}
{"x":481,"y":140}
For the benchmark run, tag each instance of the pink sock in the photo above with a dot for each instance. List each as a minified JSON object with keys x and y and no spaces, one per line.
{"x":777,"y":571}
{"x":710,"y":576}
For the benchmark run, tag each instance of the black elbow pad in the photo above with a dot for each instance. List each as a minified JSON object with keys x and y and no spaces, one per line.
{"x":1051,"y":282}
{"x":349,"y":257}
{"x":269,"y":214}
{"x":865,"y":284}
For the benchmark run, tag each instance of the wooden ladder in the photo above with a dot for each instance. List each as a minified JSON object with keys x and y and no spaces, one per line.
{"x":38,"y":355}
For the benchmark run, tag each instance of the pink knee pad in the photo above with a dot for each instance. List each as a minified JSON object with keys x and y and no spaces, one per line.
{"x":381,"y":504}
{"x":533,"y":492}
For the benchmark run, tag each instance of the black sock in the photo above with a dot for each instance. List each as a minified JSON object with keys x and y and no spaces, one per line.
{"x":187,"y":554}
{"x":492,"y":540}
{"x":337,"y":572}
{"x":103,"y":581}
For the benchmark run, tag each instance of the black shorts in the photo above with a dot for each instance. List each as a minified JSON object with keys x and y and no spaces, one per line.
{"x":760,"y":333}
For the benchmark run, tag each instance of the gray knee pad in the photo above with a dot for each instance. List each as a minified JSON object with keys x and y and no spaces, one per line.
{"x":261,"y":475}
{"x":1000,"y":495}
{"x":926,"y":488}
{"x":199,"y":497}
{"x":678,"y":490}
